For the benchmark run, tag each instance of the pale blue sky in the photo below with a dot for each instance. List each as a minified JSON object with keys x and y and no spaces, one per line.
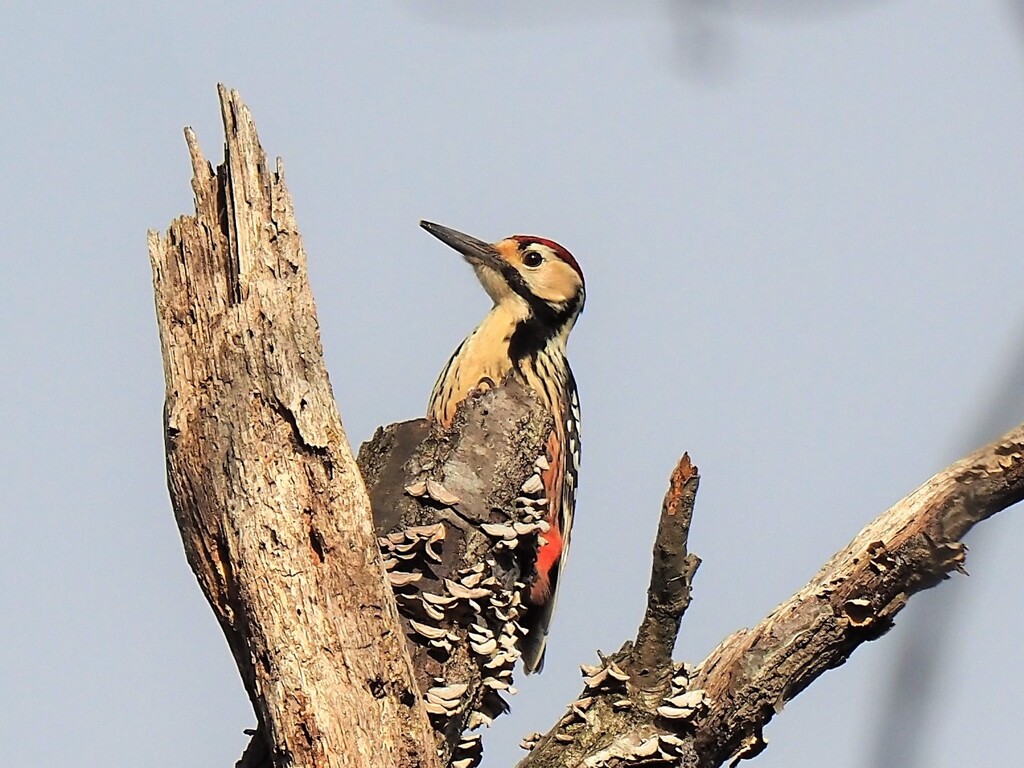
{"x":801,"y":231}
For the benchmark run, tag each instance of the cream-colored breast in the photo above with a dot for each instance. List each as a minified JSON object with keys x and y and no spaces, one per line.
{"x":480,"y":363}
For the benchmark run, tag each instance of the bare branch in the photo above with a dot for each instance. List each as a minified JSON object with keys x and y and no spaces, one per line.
{"x":672,"y":573}
{"x":273,"y":513}
{"x":715,"y":712}
{"x":854,"y":597}
{"x":615,"y":717}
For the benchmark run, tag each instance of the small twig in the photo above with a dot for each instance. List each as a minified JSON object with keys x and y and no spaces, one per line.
{"x":668,"y":597}
{"x":622,"y":695}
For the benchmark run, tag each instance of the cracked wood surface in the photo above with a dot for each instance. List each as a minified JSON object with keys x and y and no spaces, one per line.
{"x":273,"y":514}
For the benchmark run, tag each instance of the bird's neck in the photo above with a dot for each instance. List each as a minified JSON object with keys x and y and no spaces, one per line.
{"x":510,"y":340}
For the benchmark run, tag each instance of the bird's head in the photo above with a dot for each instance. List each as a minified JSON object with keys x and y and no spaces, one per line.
{"x":534,"y":275}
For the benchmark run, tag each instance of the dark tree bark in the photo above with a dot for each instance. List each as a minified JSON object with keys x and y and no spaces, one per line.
{"x":453,"y":521}
{"x":276,"y":523}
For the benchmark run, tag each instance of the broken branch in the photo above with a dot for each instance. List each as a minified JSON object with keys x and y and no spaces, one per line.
{"x":672,"y":573}
{"x":715,"y":712}
{"x":272,"y":511}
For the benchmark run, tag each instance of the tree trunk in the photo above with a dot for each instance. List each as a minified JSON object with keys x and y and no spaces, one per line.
{"x":272,"y":510}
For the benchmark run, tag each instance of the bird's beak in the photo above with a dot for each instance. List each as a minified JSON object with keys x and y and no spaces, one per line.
{"x":476,"y":252}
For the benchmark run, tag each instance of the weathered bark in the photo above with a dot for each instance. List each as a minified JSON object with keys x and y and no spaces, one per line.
{"x":649,"y":659}
{"x":853,"y":598}
{"x":440,"y":500}
{"x":272,"y":510}
{"x":715,"y":712}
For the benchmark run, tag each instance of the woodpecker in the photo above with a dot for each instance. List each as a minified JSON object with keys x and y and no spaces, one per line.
{"x":538,"y":292}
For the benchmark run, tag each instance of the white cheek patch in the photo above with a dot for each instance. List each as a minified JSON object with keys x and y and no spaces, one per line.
{"x":555,"y":281}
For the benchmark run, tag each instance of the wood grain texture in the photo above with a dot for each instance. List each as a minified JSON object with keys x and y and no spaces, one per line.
{"x":273,"y":514}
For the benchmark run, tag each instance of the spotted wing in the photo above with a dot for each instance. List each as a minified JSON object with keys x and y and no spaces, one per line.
{"x":560,"y":485}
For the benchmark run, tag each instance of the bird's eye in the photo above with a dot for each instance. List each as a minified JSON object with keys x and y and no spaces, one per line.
{"x":532,"y":259}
